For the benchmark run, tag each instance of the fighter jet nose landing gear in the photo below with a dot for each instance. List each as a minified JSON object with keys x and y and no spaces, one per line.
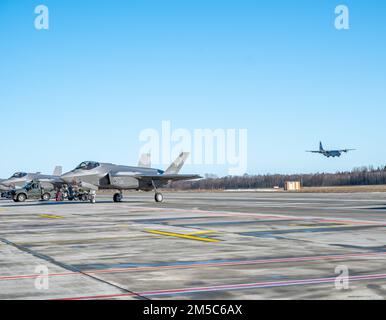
{"x":159,"y":197}
{"x":118,"y":197}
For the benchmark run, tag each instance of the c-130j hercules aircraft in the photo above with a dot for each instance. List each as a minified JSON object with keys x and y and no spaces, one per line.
{"x":106,"y":176}
{"x":330,"y":153}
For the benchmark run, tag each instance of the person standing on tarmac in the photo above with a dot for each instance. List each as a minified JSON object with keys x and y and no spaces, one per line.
{"x":59,"y":195}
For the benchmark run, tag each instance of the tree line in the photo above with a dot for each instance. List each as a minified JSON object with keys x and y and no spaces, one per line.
{"x":356,"y":177}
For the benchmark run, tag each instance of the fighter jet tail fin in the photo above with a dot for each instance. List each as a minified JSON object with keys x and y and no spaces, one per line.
{"x":177,"y":165}
{"x":58,"y":171}
{"x":145,"y":161}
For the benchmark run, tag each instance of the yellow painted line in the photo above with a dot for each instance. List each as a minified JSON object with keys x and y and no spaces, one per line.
{"x":48,"y":216}
{"x":200,"y":233}
{"x":183,"y":236}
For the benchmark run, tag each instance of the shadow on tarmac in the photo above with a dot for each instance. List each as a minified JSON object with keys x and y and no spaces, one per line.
{"x":59,"y":203}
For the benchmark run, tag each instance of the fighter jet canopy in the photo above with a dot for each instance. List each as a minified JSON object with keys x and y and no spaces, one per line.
{"x":88,"y":165}
{"x":19,"y":175}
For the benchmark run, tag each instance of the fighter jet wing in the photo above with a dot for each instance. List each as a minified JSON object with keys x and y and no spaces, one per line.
{"x":168,"y":177}
{"x":55,"y":181}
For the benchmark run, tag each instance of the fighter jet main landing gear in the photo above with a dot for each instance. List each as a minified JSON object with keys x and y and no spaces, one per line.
{"x":92,"y":196}
{"x":118,"y":197}
{"x":85,"y":196}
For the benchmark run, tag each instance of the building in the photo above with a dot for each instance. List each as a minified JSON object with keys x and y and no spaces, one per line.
{"x":292,"y":186}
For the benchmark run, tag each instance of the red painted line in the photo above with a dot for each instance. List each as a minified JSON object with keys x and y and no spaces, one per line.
{"x":203,"y":265}
{"x":243,"y":286}
{"x":34,"y":276}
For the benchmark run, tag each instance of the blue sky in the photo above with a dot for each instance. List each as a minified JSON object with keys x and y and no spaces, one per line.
{"x":105,"y":70}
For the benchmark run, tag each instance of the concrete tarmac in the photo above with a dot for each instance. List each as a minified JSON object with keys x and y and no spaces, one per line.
{"x":196,"y":245}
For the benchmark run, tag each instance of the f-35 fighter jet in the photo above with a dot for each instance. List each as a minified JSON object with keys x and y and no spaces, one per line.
{"x":101,"y":176}
{"x":19,"y":179}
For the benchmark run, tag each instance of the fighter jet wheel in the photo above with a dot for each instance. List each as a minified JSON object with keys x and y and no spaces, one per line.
{"x":117,"y":197}
{"x":21,"y":197}
{"x":46,"y":197}
{"x":159,"y":197}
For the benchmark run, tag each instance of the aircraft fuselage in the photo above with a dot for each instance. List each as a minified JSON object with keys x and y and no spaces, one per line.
{"x":332,"y":154}
{"x":20,"y":179}
{"x":110,"y":176}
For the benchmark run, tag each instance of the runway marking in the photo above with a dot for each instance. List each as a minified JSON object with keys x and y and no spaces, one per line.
{"x":201,"y":233}
{"x":204,"y":264}
{"x":241,"y":286}
{"x":48,"y":216}
{"x":183,"y":236}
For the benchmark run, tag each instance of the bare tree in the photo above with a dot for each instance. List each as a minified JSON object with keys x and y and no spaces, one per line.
{"x":358,"y":176}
